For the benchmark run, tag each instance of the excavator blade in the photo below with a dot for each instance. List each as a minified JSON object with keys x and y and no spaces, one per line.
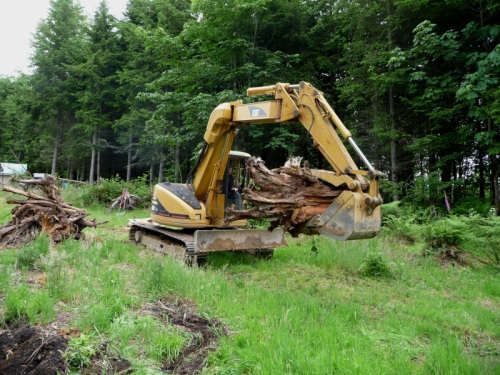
{"x":349,"y":217}
{"x":237,"y":239}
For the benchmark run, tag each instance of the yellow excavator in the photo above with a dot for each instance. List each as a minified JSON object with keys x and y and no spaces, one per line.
{"x":188,"y":219}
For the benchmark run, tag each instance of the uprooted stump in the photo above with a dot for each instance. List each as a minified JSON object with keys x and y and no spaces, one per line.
{"x":290,"y":196}
{"x":126,"y":201}
{"x":38,"y":213}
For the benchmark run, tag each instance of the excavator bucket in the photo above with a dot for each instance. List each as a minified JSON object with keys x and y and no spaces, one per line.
{"x":349,"y":217}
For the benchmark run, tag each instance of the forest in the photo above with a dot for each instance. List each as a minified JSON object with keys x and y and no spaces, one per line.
{"x":416,"y":82}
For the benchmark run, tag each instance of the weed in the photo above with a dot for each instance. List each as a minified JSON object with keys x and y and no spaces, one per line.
{"x":80,"y":350}
{"x":261,"y":223}
{"x":402,"y":227}
{"x":375,"y":265}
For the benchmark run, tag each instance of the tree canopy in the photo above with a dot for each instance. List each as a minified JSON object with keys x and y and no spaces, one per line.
{"x":417,"y":82}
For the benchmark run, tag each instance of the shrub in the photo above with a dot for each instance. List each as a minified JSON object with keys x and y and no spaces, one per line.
{"x":472,"y":204}
{"x":403,"y":220}
{"x":402,"y":227}
{"x":391,"y":209}
{"x":444,"y":238}
{"x":105,"y":191}
{"x":375,"y":265}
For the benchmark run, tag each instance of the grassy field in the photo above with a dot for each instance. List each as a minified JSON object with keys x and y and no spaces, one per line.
{"x":363,"y":307}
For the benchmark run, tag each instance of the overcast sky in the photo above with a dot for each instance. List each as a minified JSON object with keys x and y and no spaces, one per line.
{"x":18,"y":21}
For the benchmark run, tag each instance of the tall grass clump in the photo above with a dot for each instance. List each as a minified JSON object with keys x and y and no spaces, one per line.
{"x":145,"y":336}
{"x":163,"y":276}
{"x":21,"y":303}
{"x":29,"y":254}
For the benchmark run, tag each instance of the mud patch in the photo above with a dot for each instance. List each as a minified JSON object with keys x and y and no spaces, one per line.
{"x":26,"y":350}
{"x":204,"y":333}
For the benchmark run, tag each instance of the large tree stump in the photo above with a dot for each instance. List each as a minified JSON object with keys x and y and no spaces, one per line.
{"x":124,"y":202}
{"x":289,"y":196}
{"x":37,"y":213}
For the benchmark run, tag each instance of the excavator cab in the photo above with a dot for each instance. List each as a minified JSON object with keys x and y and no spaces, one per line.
{"x":235,"y":178}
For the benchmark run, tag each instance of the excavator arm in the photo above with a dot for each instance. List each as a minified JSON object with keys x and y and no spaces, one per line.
{"x":354,"y":214}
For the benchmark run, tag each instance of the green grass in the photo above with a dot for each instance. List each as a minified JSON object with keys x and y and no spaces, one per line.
{"x":302,"y":312}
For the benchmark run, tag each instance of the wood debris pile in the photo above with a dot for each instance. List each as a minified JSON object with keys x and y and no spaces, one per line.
{"x":37,"y":213}
{"x":290,"y":196}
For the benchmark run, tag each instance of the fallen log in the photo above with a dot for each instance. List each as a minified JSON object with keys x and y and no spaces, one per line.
{"x":46,"y":213}
{"x":290,"y":196}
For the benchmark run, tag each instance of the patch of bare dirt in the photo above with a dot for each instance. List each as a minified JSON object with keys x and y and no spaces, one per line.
{"x":25,"y":350}
{"x":204,"y":333}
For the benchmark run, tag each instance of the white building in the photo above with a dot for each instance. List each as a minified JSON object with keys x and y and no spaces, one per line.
{"x":9,"y":170}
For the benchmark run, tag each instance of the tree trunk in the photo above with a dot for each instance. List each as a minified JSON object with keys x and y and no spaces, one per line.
{"x":151,"y":174}
{"x":376,"y":138}
{"x":92,"y":158}
{"x":98,"y":164}
{"x":178,"y":176}
{"x":290,"y":196}
{"x":57,"y":142}
{"x":482,"y":184}
{"x":177,"y":161}
{"x":394,"y":176}
{"x":129,"y":158}
{"x":160,"y":167}
{"x":495,"y":175}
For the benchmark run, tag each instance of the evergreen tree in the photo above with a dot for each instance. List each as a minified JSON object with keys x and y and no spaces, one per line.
{"x":60,"y":43}
{"x":98,"y":101}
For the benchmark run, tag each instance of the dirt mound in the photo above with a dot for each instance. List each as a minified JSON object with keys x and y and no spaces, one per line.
{"x":25,"y":350}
